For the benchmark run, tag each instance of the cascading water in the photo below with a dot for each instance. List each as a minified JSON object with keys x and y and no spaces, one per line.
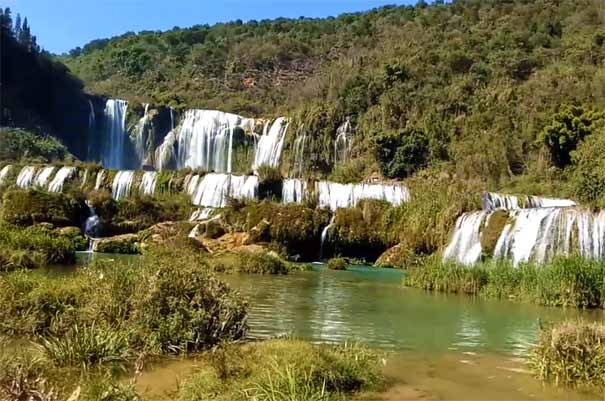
{"x":92,"y":227}
{"x":165,"y":156}
{"x":148,"y":183}
{"x":493,"y":201}
{"x":141,"y":133}
{"x":121,"y":185}
{"x":325,"y":236}
{"x":334,"y":195}
{"x":214,"y":190}
{"x":270,"y":144}
{"x":299,"y":154}
{"x":100,"y":178}
{"x":42,"y":176}
{"x":343,"y":142}
{"x":202,"y":214}
{"x":293,"y":190}
{"x":190,"y":184}
{"x":25,"y":179}
{"x":4,"y":173}
{"x":205,"y":139}
{"x":113,"y":146}
{"x":465,"y":246}
{"x":64,"y":173}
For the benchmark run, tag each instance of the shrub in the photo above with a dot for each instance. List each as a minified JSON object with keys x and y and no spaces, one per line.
{"x":571,"y":353}
{"x":337,"y":264}
{"x":250,"y":262}
{"x":86,"y":347}
{"x":589,"y":169}
{"x":27,"y":207}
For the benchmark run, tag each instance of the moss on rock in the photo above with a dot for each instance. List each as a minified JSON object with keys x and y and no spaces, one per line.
{"x":490,"y":234}
{"x":28,"y":207}
{"x":124,"y":244}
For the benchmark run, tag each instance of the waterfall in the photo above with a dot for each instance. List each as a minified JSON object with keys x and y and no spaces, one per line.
{"x":114,"y":138}
{"x":25,"y":179}
{"x":141,"y":131}
{"x":532,"y":235}
{"x":270,"y":144}
{"x":122,"y":182}
{"x":91,"y":130}
{"x":4,"y":172}
{"x":325,"y":236}
{"x":465,"y":246}
{"x":334,"y":195}
{"x":148,"y":183}
{"x":343,"y":142}
{"x":171,"y":118}
{"x":493,"y":201}
{"x":165,"y":157}
{"x":214,"y":189}
{"x":293,"y":190}
{"x":299,"y":153}
{"x":42,"y":176}
{"x":202,"y":214}
{"x":205,"y":139}
{"x":64,"y":173}
{"x":100,"y":178}
{"x":92,"y":226}
{"x":190,"y":184}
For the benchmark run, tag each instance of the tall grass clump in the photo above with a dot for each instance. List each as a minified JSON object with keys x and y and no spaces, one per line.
{"x":286,"y":370}
{"x":250,"y":262}
{"x":571,"y":353}
{"x":87,"y":347}
{"x":566,"y":282}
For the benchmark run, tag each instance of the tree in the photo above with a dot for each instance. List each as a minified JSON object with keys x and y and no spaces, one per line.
{"x":569,"y":126}
{"x":589,"y":169}
{"x":7,"y":21}
{"x":25,"y":35}
{"x":17,"y":28}
{"x":401,"y":154}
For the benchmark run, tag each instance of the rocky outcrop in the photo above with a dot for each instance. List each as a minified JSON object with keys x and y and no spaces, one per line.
{"x":396,"y":256}
{"x":124,"y":244}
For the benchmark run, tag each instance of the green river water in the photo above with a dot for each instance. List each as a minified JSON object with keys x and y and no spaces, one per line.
{"x":439,"y":346}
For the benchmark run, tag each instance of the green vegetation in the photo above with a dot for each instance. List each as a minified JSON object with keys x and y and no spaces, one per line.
{"x":19,"y":145}
{"x":33,"y":206}
{"x":284,"y":370}
{"x":250,"y":262}
{"x":337,"y":264}
{"x":567,"y":282}
{"x":33,"y":247}
{"x":571,"y":353}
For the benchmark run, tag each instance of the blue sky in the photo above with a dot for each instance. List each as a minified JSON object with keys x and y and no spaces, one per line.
{"x":64,"y":24}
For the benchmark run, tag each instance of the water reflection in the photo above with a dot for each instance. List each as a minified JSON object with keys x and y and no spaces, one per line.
{"x":371,"y":306}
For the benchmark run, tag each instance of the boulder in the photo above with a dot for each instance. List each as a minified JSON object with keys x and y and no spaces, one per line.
{"x":397,"y":256}
{"x":125,"y":244}
{"x":74,"y":234}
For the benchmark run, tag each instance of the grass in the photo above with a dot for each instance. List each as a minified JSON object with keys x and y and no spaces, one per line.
{"x":87,"y":347}
{"x":284,"y":370}
{"x":572,"y":354}
{"x":337,"y":264}
{"x":566,"y":282}
{"x":250,"y":262}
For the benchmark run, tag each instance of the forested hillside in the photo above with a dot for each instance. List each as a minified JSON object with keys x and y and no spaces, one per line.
{"x":483,"y":88}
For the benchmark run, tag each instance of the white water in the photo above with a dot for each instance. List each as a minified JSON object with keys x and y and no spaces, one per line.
{"x":165,"y":156}
{"x":4,"y":172}
{"x":202,"y":214}
{"x":343,"y":143}
{"x":493,"y":201}
{"x":214,"y":189}
{"x":140,"y":139}
{"x":100,"y":178}
{"x":190,"y":184}
{"x":114,"y":135}
{"x":465,"y":246}
{"x":532,"y":235}
{"x":148,"y":183}
{"x":25,"y":179}
{"x":43,"y":176}
{"x":334,"y":195}
{"x":92,"y":226}
{"x":122,"y":182}
{"x":205,"y":139}
{"x":270,"y":144}
{"x":325,"y":236}
{"x":294,"y":190}
{"x":64,"y":173}
{"x":299,"y":154}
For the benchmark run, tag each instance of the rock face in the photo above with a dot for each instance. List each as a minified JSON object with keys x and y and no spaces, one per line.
{"x":162,"y":232}
{"x":125,"y":244}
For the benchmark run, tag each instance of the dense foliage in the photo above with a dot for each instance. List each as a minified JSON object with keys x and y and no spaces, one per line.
{"x":474,"y":85}
{"x":19,"y":145}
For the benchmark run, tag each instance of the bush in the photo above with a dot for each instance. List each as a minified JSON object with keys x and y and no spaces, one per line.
{"x":337,"y":264}
{"x":589,"y":169}
{"x":250,"y":262}
{"x":571,"y":353}
{"x":401,"y":154}
{"x":27,"y":207}
{"x":286,"y":370}
{"x":18,"y":144}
